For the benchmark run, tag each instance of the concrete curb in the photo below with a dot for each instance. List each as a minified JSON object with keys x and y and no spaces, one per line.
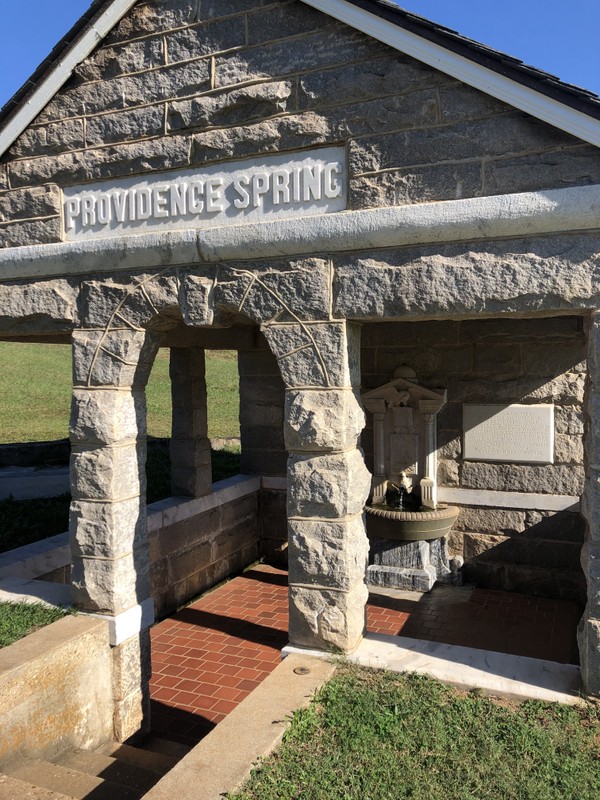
{"x":223,"y":760}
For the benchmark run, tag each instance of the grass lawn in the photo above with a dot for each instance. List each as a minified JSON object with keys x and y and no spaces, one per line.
{"x":19,"y":619}
{"x":35,"y":393}
{"x":381,"y":736}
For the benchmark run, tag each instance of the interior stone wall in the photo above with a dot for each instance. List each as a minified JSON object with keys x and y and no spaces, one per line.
{"x":178,"y":85}
{"x":500,"y":361}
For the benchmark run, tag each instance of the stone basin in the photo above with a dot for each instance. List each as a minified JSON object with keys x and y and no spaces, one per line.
{"x":385,"y":522}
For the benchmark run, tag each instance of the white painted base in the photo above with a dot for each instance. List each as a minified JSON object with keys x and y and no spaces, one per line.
{"x":497,"y":674}
{"x":129,"y":623}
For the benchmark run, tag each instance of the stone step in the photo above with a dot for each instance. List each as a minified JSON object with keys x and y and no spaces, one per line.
{"x":15,"y":789}
{"x":139,"y":757}
{"x":70,"y":782}
{"x":109,"y":768}
{"x":167,"y":747}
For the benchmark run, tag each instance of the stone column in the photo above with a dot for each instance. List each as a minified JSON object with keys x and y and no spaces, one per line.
{"x":191,"y":473}
{"x":108,"y":531}
{"x":589,"y":627}
{"x":328,"y":483}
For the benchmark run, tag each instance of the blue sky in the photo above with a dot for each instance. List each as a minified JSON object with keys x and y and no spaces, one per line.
{"x":558,"y":36}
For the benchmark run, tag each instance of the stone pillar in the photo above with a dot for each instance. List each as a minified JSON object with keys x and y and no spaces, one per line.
{"x":108,"y":532}
{"x":589,"y":627}
{"x":191,"y":473}
{"x":328,"y":483}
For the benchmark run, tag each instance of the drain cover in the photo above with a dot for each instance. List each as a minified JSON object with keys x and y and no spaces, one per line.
{"x":301,"y":671}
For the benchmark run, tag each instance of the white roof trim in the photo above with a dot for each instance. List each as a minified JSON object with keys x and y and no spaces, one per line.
{"x":515,"y":94}
{"x":486,"y":80}
{"x":62,"y":71}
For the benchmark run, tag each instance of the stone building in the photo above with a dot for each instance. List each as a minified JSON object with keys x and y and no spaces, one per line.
{"x":335,"y":189}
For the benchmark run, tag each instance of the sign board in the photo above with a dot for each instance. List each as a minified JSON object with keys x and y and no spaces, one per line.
{"x":517,"y":434}
{"x":267,"y":188}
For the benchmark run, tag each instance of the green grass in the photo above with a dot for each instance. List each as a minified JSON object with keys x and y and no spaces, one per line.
{"x":19,"y":619}
{"x":381,"y":736}
{"x":35,"y":393}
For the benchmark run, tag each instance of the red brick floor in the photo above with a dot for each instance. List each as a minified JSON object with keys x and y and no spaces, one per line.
{"x":208,"y":657}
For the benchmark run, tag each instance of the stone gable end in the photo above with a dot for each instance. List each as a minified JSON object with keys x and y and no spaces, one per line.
{"x":181,"y":84}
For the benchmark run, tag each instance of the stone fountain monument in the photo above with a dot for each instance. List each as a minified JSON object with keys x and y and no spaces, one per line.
{"x":406,"y":525}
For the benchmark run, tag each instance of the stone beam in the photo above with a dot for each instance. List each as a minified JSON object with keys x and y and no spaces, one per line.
{"x":473,"y":219}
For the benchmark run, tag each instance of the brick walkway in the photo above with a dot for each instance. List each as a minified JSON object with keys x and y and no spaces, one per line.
{"x":212,"y":654}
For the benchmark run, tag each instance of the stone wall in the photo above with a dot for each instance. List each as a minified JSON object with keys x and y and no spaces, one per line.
{"x":180,"y":84}
{"x":500,"y":361}
{"x":195,"y":544}
{"x":55,"y":690}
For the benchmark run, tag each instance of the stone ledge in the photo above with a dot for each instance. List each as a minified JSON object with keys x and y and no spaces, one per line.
{"x":477,"y":219}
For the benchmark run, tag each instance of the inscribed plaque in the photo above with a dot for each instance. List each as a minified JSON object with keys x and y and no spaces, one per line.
{"x":509,"y":433}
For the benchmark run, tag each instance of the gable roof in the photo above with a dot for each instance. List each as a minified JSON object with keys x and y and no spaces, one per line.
{"x":567,"y":107}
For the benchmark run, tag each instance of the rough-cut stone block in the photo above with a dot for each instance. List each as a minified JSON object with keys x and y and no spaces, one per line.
{"x":568,"y":449}
{"x":416,"y":185}
{"x":593,"y":433}
{"x":517,"y":276}
{"x":568,"y":389}
{"x":110,"y":62}
{"x":459,"y":103}
{"x":105,"y":416}
{"x":274,"y":135}
{"x":520,"y":550}
{"x":46,"y":306}
{"x":20,"y":234}
{"x":108,"y":473}
{"x":186,"y":535}
{"x":551,"y":479}
{"x":115,"y":358}
{"x":590,"y":563}
{"x":186,"y":563}
{"x":467,"y":140}
{"x":502,"y":361}
{"x":155,"y":86}
{"x":132,"y":667}
{"x":3,"y":178}
{"x":131,"y":716}
{"x":291,"y":20}
{"x":125,"y":126}
{"x":256,"y":364}
{"x":107,"y":530}
{"x":264,"y":295}
{"x":563,"y":526}
{"x":110,"y":586}
{"x":354,"y":82}
{"x":527,"y":331}
{"x":490,"y":520}
{"x":235,"y":107}
{"x":327,"y":486}
{"x":322,"y":420}
{"x":190,"y":422}
{"x":285,"y":57}
{"x":203,"y":40}
{"x":107,"y":162}
{"x":577,"y":166}
{"x":327,"y":620}
{"x":28,"y":203}
{"x":328,"y":554}
{"x":47,"y":140}
{"x":588,"y":636}
{"x":315,"y":354}
{"x":154,"y":16}
{"x":448,"y":473}
{"x":539,"y":359}
{"x":146,"y":302}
